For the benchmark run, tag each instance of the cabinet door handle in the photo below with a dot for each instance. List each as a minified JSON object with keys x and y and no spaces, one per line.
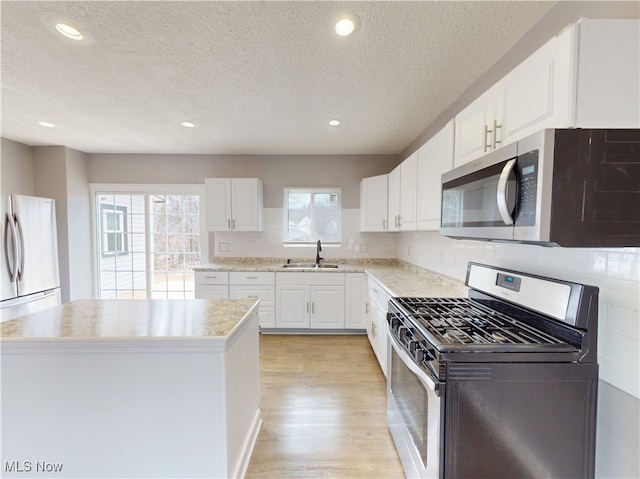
{"x":486,"y":135}
{"x":307,"y":307}
{"x":229,"y":224}
{"x":373,"y":329}
{"x":366,"y":307}
{"x":384,"y":224}
{"x":233,"y":223}
{"x":313,"y":307}
{"x":496,"y":142}
{"x":399,"y":221}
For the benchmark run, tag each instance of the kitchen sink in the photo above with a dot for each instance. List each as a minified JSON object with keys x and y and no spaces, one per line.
{"x":309,"y":266}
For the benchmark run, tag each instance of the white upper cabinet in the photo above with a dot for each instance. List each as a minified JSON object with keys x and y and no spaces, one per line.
{"x":434,"y":158}
{"x":373,"y":203}
{"x":472,"y":137}
{"x":408,"y":194}
{"x":393,"y":203}
{"x":234,"y":204}
{"x":586,"y":77}
{"x":401,"y":213}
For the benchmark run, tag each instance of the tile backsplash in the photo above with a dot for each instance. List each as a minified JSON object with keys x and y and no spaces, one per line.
{"x":268,"y":243}
{"x":616,"y":271}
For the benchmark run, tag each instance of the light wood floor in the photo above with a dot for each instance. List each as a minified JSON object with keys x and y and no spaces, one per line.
{"x":323,"y":403}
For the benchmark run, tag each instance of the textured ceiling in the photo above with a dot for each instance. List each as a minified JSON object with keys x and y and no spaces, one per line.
{"x":255,"y":77}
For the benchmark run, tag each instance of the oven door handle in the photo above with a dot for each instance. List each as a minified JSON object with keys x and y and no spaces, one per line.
{"x":425,"y":378}
{"x":501,"y":192}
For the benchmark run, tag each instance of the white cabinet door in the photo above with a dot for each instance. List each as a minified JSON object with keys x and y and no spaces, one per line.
{"x":234,"y":204}
{"x":355,"y":301}
{"x":218,"y":201}
{"x":472,"y":136}
{"x":434,"y":158}
{"x":246,"y":201}
{"x":393,"y":209}
{"x":536,"y":94}
{"x":293,"y":306}
{"x":327,"y":307}
{"x":377,"y":322}
{"x":211,"y":291}
{"x":267,"y":317}
{"x":373,"y":203}
{"x":408,"y":196}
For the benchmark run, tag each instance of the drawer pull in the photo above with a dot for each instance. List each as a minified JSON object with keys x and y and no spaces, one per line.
{"x":252,"y":277}
{"x":211,"y":277}
{"x":253,"y":297}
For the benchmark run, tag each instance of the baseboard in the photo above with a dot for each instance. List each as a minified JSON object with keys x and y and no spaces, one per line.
{"x":248,"y":445}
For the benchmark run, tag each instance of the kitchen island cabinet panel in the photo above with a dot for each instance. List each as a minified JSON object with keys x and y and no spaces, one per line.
{"x":133,"y":388}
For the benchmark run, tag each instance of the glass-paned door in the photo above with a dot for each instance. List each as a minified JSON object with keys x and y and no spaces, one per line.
{"x":147,"y":245}
{"x":121,"y":246}
{"x":175,"y":244}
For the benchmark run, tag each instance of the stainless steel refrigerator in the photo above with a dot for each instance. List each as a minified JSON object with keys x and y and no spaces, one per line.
{"x":30,"y":278}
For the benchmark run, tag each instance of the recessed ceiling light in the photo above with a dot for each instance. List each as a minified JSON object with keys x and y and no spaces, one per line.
{"x":346,"y":24}
{"x":188,"y":124}
{"x":334,"y":122}
{"x":69,"y":31}
{"x":46,"y":124}
{"x":68,"y":28}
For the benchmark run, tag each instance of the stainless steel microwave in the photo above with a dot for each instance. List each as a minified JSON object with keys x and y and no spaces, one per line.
{"x":567,"y":187}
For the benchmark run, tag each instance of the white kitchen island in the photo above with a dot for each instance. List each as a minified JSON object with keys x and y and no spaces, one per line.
{"x":131,"y":388}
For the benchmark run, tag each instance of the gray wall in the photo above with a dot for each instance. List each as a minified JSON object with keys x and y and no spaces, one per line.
{"x":60,"y":173}
{"x":276,"y":172}
{"x":17,"y":168}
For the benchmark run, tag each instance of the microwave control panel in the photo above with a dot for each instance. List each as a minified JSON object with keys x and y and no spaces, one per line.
{"x":527,"y":188}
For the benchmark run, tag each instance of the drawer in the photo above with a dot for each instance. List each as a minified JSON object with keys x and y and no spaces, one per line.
{"x":311,"y":279}
{"x":378,"y":294}
{"x":251,"y":277}
{"x":211,"y":291}
{"x":211,"y":277}
{"x":266,"y":294}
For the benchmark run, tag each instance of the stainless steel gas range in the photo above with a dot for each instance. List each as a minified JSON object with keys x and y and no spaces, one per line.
{"x":502,"y":384}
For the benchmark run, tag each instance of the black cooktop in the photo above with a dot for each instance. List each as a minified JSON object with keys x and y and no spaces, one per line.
{"x":466,"y":321}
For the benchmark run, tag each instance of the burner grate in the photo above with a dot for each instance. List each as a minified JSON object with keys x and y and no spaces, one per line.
{"x":464,"y":321}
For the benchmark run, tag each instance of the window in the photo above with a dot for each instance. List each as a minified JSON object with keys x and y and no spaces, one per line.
{"x":311,"y":214}
{"x":114,"y":229}
{"x":148,"y":243}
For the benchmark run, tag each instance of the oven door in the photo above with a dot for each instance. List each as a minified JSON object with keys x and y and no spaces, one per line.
{"x":413,"y":414}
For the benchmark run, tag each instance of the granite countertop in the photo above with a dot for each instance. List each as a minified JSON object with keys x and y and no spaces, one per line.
{"x":398,"y":277}
{"x":131,"y":319}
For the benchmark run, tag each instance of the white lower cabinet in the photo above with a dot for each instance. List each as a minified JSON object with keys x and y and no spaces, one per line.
{"x":256,"y":285}
{"x":310,"y":300}
{"x":211,"y":285}
{"x":355,"y":301}
{"x":293,"y":300}
{"x":377,"y":321}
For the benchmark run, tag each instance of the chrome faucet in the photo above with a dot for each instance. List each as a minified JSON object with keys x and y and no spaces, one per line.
{"x":318,"y":258}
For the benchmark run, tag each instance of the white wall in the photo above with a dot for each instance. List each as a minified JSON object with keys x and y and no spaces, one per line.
{"x":616,"y":271}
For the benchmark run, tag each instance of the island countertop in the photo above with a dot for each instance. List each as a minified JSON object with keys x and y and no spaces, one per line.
{"x":130,"y":320}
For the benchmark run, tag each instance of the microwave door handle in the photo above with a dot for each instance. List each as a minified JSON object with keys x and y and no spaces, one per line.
{"x":501,"y":192}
